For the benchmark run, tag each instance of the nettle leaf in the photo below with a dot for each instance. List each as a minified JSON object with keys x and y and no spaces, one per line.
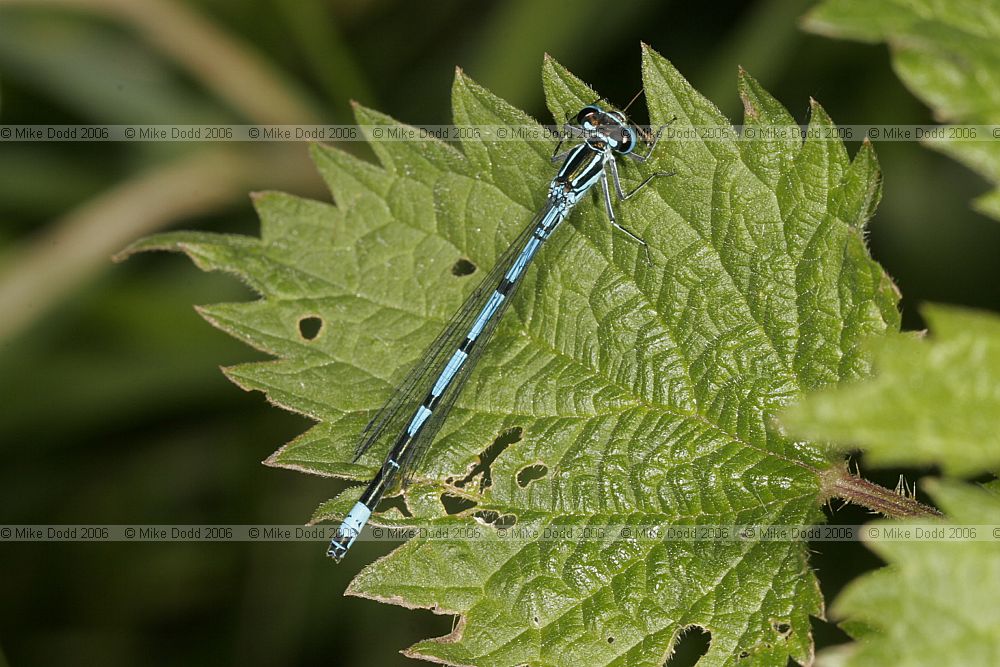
{"x":613,"y":391}
{"x":936,"y":602}
{"x":947,"y":54}
{"x":931,"y":402}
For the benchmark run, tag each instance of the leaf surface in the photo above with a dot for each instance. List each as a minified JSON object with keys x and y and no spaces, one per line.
{"x":947,"y":54}
{"x":935,"y":604}
{"x":640,"y":394}
{"x":933,"y":401}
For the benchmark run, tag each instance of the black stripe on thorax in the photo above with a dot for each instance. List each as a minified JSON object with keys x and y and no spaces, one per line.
{"x":582,"y":164}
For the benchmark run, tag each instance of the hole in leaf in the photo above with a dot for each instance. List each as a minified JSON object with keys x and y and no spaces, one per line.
{"x":309,"y":327}
{"x":495,"y":519}
{"x":743,"y":655}
{"x":535,"y":620}
{"x":456,"y":504}
{"x":611,"y":640}
{"x":487,"y":516}
{"x":783,"y":629}
{"x":394,"y":501}
{"x":691,"y":645}
{"x":489,"y":455}
{"x":463,"y":267}
{"x":530,"y":473}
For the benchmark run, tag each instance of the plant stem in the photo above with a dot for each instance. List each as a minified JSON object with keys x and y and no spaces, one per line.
{"x":36,"y":273}
{"x":226,"y":65}
{"x":839,"y":482}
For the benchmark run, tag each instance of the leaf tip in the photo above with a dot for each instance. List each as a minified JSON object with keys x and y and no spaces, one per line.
{"x":744,"y":84}
{"x":649,"y":53}
{"x":758,"y":103}
{"x":205,"y":312}
{"x":551,"y":64}
{"x":273,"y":461}
{"x":653,"y":58}
{"x":124,"y":253}
{"x":817,"y":114}
{"x":169,"y":241}
{"x":353,"y":591}
{"x":318,"y":152}
{"x":461,"y":82}
{"x":232,"y":374}
{"x":866,"y":153}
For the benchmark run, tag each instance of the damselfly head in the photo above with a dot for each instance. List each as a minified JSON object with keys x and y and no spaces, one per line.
{"x":607,"y":129}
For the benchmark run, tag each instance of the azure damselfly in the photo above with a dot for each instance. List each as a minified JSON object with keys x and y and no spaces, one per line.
{"x":418,"y":407}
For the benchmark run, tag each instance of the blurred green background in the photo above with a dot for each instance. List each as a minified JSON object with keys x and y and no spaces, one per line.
{"x":112,"y":407}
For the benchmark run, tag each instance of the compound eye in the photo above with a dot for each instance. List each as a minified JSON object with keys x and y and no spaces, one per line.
{"x":588,"y":116}
{"x":628,"y":140}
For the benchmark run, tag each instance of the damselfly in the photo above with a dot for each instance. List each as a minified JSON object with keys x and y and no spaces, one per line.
{"x":417,"y":409}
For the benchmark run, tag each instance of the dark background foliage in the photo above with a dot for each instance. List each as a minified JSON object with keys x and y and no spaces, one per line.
{"x":112,"y":408}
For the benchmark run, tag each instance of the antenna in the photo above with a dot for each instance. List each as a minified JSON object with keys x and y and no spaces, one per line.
{"x":634,"y":98}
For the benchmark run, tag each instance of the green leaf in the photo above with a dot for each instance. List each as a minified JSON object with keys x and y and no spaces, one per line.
{"x":932,"y":402}
{"x":936,"y":602}
{"x":643,"y":393}
{"x":947,"y":54}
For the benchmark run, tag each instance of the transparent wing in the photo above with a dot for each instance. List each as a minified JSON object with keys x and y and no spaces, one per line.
{"x":434,"y":423}
{"x":395,"y":415}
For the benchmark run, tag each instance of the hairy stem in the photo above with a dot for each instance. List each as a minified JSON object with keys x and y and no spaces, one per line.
{"x":839,"y":482}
